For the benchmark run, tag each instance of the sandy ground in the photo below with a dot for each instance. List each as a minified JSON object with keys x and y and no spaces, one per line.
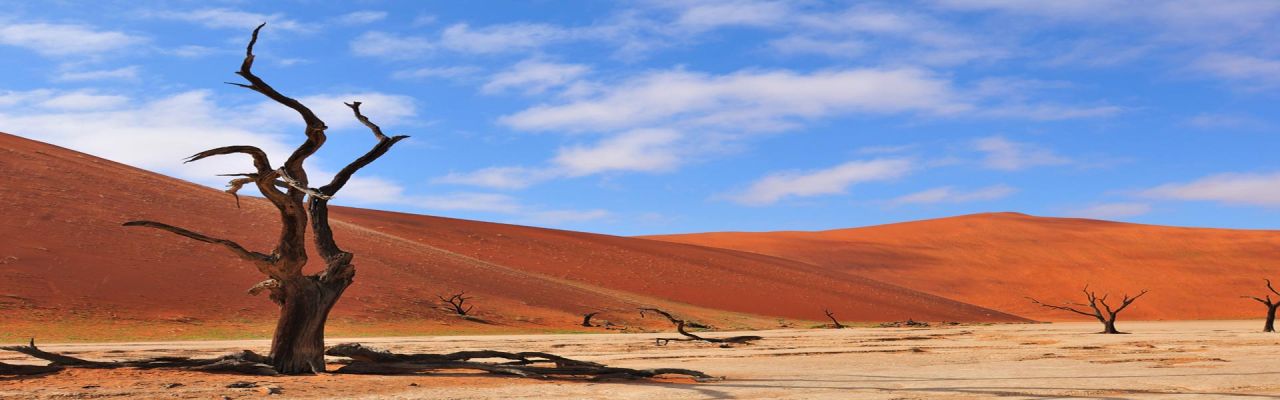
{"x":1200,"y":359}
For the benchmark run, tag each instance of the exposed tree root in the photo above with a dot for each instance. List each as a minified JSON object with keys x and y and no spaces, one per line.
{"x":537,"y":365}
{"x":244,"y":362}
{"x":365,"y":360}
{"x":689,"y":337}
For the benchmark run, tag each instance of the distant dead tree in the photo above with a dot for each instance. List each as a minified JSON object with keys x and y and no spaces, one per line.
{"x":455,"y":303}
{"x":1272,"y":305}
{"x":834,"y":324}
{"x":586,"y":318}
{"x":1105,"y":314}
{"x":680,"y":324}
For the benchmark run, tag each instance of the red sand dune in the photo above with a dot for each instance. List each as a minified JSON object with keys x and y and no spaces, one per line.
{"x":64,"y":255}
{"x":996,"y":260}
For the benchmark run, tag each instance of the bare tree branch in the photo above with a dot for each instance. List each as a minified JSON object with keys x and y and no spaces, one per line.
{"x":260,"y":161}
{"x":315,"y":127}
{"x":1063,"y":308}
{"x":834,"y":323}
{"x":230,"y":245}
{"x":680,"y":324}
{"x":456,"y":303}
{"x":1127,"y":301}
{"x":377,"y":131}
{"x":586,"y":318}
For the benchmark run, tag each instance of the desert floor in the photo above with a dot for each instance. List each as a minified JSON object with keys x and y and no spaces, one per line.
{"x":1197,"y":359}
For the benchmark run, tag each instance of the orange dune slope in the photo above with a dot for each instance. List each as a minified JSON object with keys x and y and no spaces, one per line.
{"x":64,"y":256}
{"x":997,"y":260}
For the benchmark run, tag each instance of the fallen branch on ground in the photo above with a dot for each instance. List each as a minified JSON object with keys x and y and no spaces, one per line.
{"x":689,"y":337}
{"x":244,"y":362}
{"x":365,"y":360}
{"x":27,"y":370}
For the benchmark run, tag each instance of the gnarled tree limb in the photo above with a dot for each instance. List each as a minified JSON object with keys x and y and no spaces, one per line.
{"x":1270,"y":324}
{"x":245,"y":362}
{"x":230,"y":245}
{"x":365,"y":360}
{"x":680,"y":324}
{"x":834,"y":324}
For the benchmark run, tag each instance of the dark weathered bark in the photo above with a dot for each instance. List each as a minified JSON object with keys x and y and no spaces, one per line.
{"x":1270,"y":324}
{"x":586,"y":318}
{"x":457,"y":304}
{"x":304,"y":300}
{"x":1105,"y":314}
{"x":834,"y":324}
{"x":680,"y":324}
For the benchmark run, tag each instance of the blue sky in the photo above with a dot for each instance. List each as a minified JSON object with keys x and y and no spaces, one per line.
{"x":670,"y":116}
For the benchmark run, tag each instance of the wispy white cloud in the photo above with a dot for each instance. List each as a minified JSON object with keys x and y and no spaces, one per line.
{"x":641,"y":150}
{"x":387,"y":45}
{"x":383,"y":192}
{"x":227,"y":18}
{"x":701,"y":16}
{"x":191,"y":51}
{"x":1006,"y":155}
{"x":745,"y":100}
{"x":1111,"y":210}
{"x":128,"y":73}
{"x":948,"y":194}
{"x":153,"y":134}
{"x":1246,"y":69}
{"x":646,"y":150}
{"x":83,"y":101}
{"x":500,"y":38}
{"x":835,"y":48}
{"x":499,"y":177}
{"x":361,"y":17}
{"x":835,"y":180}
{"x":534,"y":76}
{"x":65,"y":39}
{"x":1225,"y":121}
{"x":456,"y":72}
{"x":1229,"y":188}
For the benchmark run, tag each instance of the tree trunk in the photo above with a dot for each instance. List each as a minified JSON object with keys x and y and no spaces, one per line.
{"x":298,"y":344}
{"x":1271,"y":320}
{"x":1109,"y":327}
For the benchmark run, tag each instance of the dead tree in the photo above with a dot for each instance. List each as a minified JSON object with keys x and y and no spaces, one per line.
{"x":834,"y":324}
{"x":297,"y":346}
{"x":456,"y":304}
{"x":1270,"y":325}
{"x":305,"y":300}
{"x":1105,"y":315}
{"x":688,"y":337}
{"x":586,"y":318}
